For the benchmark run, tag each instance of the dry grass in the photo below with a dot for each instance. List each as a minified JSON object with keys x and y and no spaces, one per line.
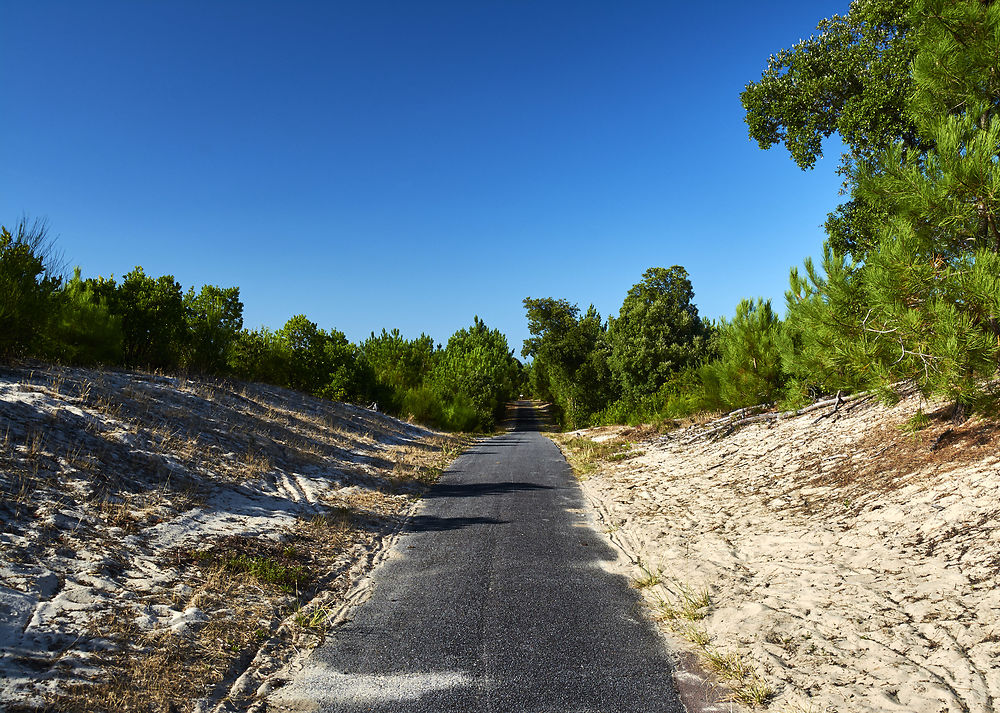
{"x":585,"y":454}
{"x":680,"y":610}
{"x":159,"y":670}
{"x":886,"y":457}
{"x":683,"y":604}
{"x":146,"y":452}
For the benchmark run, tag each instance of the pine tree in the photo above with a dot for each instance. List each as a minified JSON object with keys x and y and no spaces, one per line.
{"x":748,"y":371}
{"x":931,"y":283}
{"x":824,"y":346}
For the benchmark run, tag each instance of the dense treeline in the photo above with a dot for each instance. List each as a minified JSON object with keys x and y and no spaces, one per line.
{"x":908,"y":288}
{"x":907,"y":291}
{"x":150,"y":322}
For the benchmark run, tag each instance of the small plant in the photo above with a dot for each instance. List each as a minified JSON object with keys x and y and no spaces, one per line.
{"x":729,"y":666}
{"x":695,"y":634}
{"x":753,"y":693}
{"x":287,"y":578}
{"x":648,"y":578}
{"x":35,"y":444}
{"x":687,"y":605}
{"x":257,"y":464}
{"x":584,"y":453}
{"x":747,"y":686}
{"x":915,"y":423}
{"x":318,"y":619}
{"x":338,"y":517}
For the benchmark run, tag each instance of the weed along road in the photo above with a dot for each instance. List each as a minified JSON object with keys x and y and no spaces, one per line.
{"x":494,"y":599}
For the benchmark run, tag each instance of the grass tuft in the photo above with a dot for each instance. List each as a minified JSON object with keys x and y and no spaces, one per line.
{"x":584,"y":454}
{"x":287,"y":578}
{"x":685,"y":605}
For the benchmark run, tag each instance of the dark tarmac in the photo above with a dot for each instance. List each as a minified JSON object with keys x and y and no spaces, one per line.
{"x":494,"y":599}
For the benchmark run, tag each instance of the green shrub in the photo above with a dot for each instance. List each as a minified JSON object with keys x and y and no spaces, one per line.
{"x":748,"y":371}
{"x":459,"y":413}
{"x":152,"y":316}
{"x":83,"y":330}
{"x":26,"y":287}
{"x":258,"y":355}
{"x":423,"y":405}
{"x":214,"y":318}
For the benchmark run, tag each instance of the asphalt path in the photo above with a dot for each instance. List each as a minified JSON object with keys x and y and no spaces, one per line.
{"x":496,"y":598}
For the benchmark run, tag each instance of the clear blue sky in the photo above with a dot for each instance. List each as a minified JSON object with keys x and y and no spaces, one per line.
{"x":408,"y":164}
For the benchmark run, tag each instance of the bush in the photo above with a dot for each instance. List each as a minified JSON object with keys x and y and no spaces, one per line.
{"x":257,"y":355}
{"x":423,"y":405}
{"x":748,"y":371}
{"x":461,"y":414}
{"x":83,"y":330}
{"x":152,"y":314}
{"x":214,"y":318}
{"x":26,"y":286}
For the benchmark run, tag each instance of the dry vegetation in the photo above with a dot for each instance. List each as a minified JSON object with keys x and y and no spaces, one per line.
{"x":170,"y":542}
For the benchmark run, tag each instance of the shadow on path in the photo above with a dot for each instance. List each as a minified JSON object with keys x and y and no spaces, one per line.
{"x":430,"y":523}
{"x":471,"y":490}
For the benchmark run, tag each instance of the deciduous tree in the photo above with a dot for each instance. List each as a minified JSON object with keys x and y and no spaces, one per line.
{"x":657,"y":332}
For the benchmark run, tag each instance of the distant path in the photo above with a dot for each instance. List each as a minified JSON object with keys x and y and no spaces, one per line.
{"x":496,"y":601}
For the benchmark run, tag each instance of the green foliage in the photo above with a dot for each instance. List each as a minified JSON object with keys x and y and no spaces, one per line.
{"x":912,"y":87}
{"x":938,"y":318}
{"x":148,"y":322}
{"x":475,"y":376}
{"x":257,"y":355}
{"x":423,"y":405}
{"x":320,"y":362}
{"x":824,"y":346}
{"x":931,"y":283}
{"x":748,"y":371}
{"x":214,"y":319}
{"x":657,"y":332}
{"x":399,"y":366}
{"x":851,"y":77}
{"x":681,"y":395}
{"x":26,"y":286}
{"x":83,"y":330}
{"x":570,"y":358}
{"x":286,"y":577}
{"x":459,"y":413}
{"x":954,"y":70}
{"x":304,"y":346}
{"x":152,"y":315}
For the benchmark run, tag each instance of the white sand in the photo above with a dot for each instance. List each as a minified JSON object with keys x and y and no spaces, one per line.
{"x":854,"y":565}
{"x":104,"y":474}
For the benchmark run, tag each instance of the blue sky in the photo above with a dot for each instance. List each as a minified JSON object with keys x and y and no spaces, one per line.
{"x":408,"y":164}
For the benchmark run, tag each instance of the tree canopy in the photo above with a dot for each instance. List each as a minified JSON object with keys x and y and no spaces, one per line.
{"x":570,"y":357}
{"x":657,"y":331}
{"x":851,"y":77}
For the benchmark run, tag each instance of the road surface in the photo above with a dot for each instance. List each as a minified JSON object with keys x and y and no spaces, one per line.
{"x":495,"y":599}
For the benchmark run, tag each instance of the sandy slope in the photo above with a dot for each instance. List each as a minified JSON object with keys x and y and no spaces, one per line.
{"x":854,"y":564}
{"x":138,"y":510}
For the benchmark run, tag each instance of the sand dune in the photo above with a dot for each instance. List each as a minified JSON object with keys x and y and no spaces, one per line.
{"x":854,"y":564}
{"x":167,"y":541}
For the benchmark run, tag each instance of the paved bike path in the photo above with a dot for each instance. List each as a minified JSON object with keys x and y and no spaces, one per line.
{"x":494,"y":600}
